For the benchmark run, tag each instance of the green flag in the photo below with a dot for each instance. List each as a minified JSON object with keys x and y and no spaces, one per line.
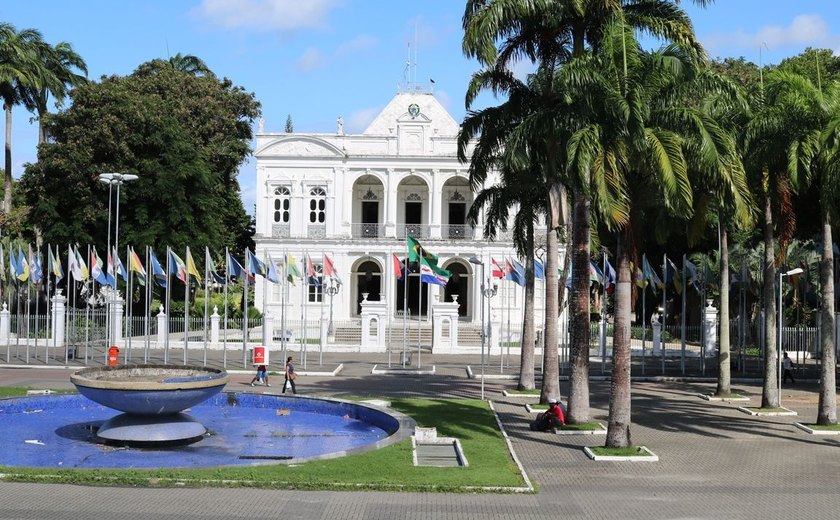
{"x":416,"y":251}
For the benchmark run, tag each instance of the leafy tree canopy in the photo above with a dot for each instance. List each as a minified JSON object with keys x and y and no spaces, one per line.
{"x":184,"y":135}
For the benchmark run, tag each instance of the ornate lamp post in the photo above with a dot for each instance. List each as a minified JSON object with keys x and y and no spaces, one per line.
{"x":333,"y":287}
{"x":487,"y":292}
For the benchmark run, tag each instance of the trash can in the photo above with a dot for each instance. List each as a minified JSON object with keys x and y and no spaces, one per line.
{"x":259,"y":356}
{"x":113,"y":355}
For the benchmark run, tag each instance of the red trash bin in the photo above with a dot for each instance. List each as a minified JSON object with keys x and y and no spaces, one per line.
{"x":113,"y":355}
{"x":259,"y":356}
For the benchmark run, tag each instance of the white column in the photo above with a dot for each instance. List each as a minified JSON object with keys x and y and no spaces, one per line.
{"x":391,"y":195}
{"x":434,"y":205}
{"x":346,"y":205}
{"x":214,"y":326}
{"x":115,"y":308}
{"x":162,"y":331}
{"x":59,"y":302}
{"x":710,"y":328}
{"x":5,"y":324}
{"x":268,"y":330}
{"x":657,"y":337}
{"x":264,"y":217}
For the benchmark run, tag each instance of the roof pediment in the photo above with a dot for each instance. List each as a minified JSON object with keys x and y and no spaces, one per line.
{"x":299,"y":146}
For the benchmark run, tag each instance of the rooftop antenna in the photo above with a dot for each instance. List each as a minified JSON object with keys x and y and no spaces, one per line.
{"x":406,"y":70}
{"x":415,"y":55}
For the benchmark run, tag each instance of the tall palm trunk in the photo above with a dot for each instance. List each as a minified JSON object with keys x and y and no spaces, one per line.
{"x":7,"y":194}
{"x":724,"y":387}
{"x":579,"y":356}
{"x":551,"y":369}
{"x":827,"y":408}
{"x":526,"y":360}
{"x":769,"y":394}
{"x":618,"y":429}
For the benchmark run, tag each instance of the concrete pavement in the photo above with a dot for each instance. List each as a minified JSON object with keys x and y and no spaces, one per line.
{"x":715,"y":462}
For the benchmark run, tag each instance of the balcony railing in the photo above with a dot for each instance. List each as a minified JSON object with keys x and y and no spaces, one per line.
{"x":457,"y":232}
{"x":413,"y":230}
{"x":368,"y":230}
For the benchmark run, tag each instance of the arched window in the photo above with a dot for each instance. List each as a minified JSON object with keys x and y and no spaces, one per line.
{"x":282,"y":205}
{"x":317,"y":206}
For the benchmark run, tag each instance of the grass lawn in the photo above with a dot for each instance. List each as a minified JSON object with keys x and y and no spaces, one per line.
{"x":390,"y":468}
{"x":19,"y":391}
{"x":630,"y":451}
{"x":824,"y":427}
{"x":587,"y":426}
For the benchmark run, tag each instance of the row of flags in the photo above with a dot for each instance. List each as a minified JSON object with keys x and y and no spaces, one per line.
{"x":29,"y":267}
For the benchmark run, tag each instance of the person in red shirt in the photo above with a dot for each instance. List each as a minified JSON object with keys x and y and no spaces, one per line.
{"x":554,"y":415}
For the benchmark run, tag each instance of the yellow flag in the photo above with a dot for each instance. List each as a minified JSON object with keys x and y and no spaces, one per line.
{"x":191,"y":268}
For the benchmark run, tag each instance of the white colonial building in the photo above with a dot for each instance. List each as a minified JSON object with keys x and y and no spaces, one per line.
{"x":355,"y":198}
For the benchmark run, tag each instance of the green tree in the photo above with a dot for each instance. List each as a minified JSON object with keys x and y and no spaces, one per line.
{"x":19,"y":68}
{"x":290,"y":127}
{"x":184,"y":136}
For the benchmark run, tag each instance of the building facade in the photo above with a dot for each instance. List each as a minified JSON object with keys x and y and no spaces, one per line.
{"x":356,"y":197}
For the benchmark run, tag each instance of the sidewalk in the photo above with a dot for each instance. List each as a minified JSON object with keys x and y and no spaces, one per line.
{"x":715,"y":462}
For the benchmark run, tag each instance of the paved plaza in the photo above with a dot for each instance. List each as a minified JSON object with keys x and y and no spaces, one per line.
{"x":715,"y":462}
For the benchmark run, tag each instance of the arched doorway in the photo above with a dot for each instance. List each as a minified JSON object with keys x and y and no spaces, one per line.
{"x":368,"y":280}
{"x":458,"y":286}
{"x":418,"y":295}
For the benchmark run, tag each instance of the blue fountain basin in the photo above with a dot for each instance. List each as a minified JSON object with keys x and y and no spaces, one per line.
{"x":149,"y":389}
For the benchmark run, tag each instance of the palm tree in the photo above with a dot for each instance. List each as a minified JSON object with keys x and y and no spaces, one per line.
{"x":550,"y":33}
{"x":780,"y":144}
{"x":189,"y":64}
{"x":502,"y":142}
{"x":18,"y":70}
{"x":55,"y":77}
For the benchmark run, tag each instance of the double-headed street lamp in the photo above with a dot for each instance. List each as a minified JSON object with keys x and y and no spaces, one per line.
{"x":792,"y":272}
{"x":487,"y":292}
{"x":112,"y":179}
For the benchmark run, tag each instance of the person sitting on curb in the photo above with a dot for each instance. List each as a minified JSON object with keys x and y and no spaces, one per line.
{"x":550,"y":419}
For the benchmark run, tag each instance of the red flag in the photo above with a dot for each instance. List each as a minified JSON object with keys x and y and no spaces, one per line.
{"x":397,"y":267}
{"x":329,"y":268}
{"x":310,"y":267}
{"x":496,"y":270}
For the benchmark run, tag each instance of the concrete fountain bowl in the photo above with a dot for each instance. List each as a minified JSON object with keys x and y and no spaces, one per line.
{"x":152,"y":397}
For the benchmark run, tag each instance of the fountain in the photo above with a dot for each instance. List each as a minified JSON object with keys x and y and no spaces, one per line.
{"x":152,"y":397}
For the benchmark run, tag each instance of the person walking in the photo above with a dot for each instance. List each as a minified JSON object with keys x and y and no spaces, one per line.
{"x":261,"y":377}
{"x":290,"y":376}
{"x":787,"y":364}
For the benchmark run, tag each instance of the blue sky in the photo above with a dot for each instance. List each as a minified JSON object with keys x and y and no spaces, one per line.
{"x":318,"y":59}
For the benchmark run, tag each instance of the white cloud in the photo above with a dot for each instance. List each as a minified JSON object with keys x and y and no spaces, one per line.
{"x":360,"y":119}
{"x":804,"y":30}
{"x":360,"y":43}
{"x":311,"y":59}
{"x":266,"y":15}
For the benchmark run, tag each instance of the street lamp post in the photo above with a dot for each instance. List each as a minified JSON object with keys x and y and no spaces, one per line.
{"x":332,"y":289}
{"x":114,"y":179}
{"x":792,"y":272}
{"x":487,"y":292}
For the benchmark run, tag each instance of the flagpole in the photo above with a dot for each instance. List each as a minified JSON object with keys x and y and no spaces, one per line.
{"x":305,"y":308}
{"x":682,"y":317}
{"x":206,"y":297}
{"x":148,"y":302}
{"x":227,"y":282}
{"x":603,"y":327}
{"x":35,"y":265}
{"x":47,"y":319}
{"x":186,"y":307}
{"x":267,"y":334}
{"x":505,"y":307}
{"x":303,"y":288}
{"x":28,"y":304}
{"x":644,"y":318}
{"x":87,"y":307}
{"x":245,"y":311}
{"x":168,"y":310}
{"x":664,"y":309}
{"x":405,"y":308}
{"x":283,"y":304}
{"x":129,"y":300}
{"x":419,"y":308}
